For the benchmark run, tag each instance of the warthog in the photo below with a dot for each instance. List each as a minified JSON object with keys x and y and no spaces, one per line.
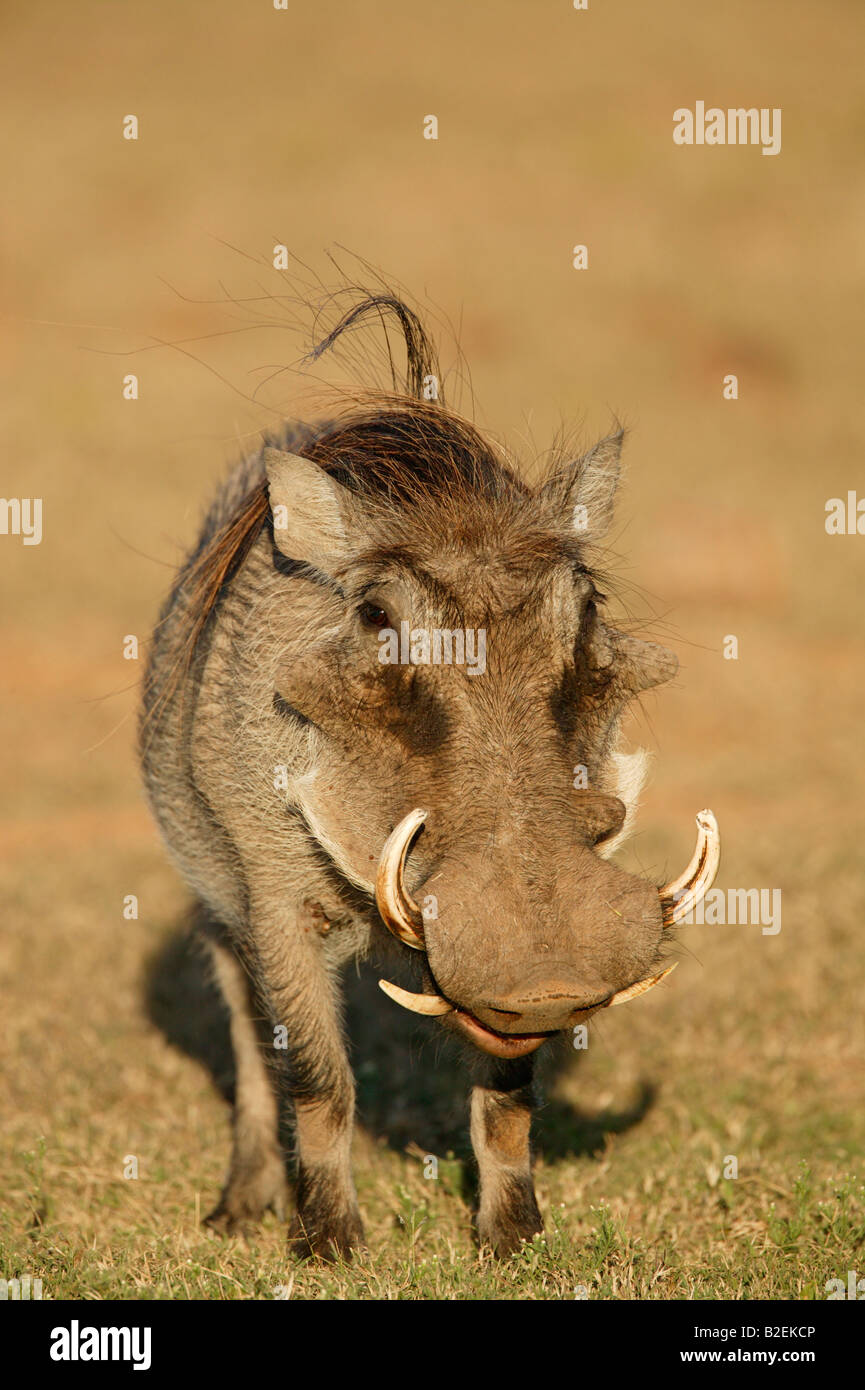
{"x":320,"y":800}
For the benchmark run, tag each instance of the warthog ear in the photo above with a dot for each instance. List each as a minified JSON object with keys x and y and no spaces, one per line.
{"x":642,"y":665}
{"x":586,"y":489}
{"x":309,"y":510}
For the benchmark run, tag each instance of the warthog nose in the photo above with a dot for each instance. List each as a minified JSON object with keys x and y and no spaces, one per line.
{"x":541,"y":1011}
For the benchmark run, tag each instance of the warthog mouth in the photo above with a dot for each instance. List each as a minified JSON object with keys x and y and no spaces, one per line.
{"x":509,"y":1044}
{"x":497,"y":1044}
{"x":402,"y":916}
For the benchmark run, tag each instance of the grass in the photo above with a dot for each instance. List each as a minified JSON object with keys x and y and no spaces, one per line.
{"x":779,"y":1236}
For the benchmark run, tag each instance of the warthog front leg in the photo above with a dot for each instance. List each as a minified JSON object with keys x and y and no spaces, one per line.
{"x":304,"y":1003}
{"x":327,"y":1220}
{"x":501,"y":1115}
{"x":256,"y":1178}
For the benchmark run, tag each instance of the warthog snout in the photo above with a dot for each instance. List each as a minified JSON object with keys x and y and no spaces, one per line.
{"x":506,"y":979}
{"x":554,"y":1006}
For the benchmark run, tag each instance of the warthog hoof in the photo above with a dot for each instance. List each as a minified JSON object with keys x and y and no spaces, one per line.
{"x":253,"y":1187}
{"x":514,"y":1219}
{"x":326,"y":1224}
{"x":335,"y":1238}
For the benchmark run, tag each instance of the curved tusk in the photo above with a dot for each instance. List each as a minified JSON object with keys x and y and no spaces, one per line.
{"x":684,"y":893}
{"x":399,"y":911}
{"x":417,"y":1003}
{"x":634,"y":991}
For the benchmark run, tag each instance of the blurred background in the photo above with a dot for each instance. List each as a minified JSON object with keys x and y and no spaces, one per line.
{"x":154,"y":257}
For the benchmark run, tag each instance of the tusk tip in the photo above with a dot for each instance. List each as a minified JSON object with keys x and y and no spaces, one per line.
{"x":432,"y":1005}
{"x":642,"y":987}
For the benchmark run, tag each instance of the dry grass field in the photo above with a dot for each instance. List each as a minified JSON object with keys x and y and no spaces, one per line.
{"x":154,"y":257}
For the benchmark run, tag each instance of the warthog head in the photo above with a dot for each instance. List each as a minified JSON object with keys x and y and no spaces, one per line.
{"x":446,"y":649}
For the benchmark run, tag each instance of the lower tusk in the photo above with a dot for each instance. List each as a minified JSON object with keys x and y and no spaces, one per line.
{"x":416,"y":1003}
{"x":634,"y":991}
{"x":684,"y":893}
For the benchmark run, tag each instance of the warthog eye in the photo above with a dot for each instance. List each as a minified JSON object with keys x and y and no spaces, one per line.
{"x":373,"y":616}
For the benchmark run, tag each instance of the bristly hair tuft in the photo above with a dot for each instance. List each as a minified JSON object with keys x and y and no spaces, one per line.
{"x":421,"y":358}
